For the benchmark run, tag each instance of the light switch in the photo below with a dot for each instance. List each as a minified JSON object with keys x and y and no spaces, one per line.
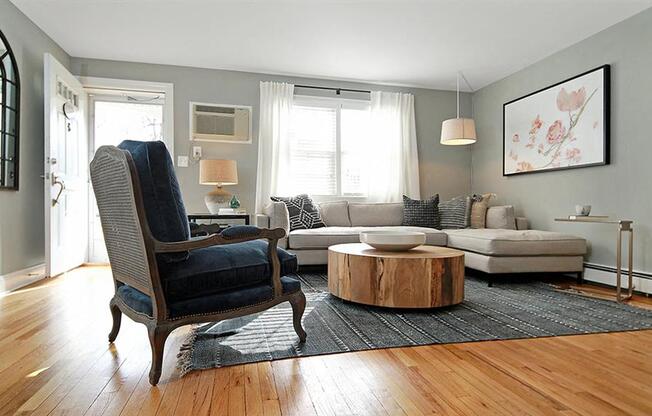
{"x":196,"y":152}
{"x":182,"y":161}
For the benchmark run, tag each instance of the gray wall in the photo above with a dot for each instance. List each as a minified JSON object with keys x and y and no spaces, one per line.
{"x":621,"y":189}
{"x":21,"y":213}
{"x":442,"y":169}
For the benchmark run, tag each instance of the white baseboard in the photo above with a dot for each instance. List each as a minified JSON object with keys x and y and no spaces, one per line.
{"x":20,"y":278}
{"x":607,"y":275}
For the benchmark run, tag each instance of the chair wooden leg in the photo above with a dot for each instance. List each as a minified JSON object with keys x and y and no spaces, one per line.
{"x":298,"y":302}
{"x":117,"y":319}
{"x":157,"y":337}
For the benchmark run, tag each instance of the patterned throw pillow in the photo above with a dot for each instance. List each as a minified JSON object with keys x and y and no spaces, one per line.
{"x":303,"y":213}
{"x":421,"y":213}
{"x":479,"y":210}
{"x":456,"y":213}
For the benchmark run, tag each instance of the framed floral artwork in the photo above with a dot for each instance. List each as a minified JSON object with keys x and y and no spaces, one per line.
{"x":563,"y":126}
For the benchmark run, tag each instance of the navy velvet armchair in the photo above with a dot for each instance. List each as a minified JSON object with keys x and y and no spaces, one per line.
{"x":164,"y":278}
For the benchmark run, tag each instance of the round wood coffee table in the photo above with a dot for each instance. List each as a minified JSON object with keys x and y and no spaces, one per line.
{"x":424,"y":277}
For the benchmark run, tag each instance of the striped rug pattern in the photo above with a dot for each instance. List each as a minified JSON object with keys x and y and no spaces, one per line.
{"x":505,"y":311}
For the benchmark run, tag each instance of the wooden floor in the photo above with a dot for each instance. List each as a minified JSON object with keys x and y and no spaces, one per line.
{"x":54,"y":359}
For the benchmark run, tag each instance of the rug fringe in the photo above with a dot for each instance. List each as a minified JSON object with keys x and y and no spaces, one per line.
{"x":184,"y":357}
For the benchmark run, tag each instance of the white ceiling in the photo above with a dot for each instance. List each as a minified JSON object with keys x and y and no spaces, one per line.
{"x":403,"y":42}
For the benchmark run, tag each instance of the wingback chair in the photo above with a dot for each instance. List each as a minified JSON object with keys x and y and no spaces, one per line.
{"x":166,"y":279}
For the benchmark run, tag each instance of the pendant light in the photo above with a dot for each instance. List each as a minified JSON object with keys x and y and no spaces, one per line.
{"x":458,"y":131}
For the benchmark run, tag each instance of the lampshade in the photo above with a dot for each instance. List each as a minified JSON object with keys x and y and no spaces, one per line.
{"x":218,"y":172}
{"x":458,"y":131}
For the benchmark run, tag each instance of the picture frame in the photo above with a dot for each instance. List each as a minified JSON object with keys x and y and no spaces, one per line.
{"x":563,"y":126}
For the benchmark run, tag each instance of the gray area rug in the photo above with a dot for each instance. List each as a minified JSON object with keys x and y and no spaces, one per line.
{"x":505,"y":311}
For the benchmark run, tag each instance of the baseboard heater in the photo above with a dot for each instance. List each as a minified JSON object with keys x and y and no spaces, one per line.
{"x":602,"y":268}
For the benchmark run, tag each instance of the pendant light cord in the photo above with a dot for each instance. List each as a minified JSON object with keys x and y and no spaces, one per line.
{"x":460,"y":74}
{"x":458,"y":94}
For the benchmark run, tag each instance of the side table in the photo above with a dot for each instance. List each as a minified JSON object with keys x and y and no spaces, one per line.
{"x":214,"y":227}
{"x":624,"y":226}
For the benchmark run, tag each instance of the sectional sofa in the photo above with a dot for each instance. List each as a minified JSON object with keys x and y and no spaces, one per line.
{"x":505,"y":246}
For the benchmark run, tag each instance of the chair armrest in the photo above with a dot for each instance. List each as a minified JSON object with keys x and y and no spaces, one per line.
{"x":232,"y":235}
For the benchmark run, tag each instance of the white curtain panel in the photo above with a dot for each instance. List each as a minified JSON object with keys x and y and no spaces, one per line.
{"x":273,"y":129}
{"x":393,"y":163}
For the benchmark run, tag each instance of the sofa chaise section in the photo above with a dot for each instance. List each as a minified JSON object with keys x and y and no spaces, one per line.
{"x":519,"y":251}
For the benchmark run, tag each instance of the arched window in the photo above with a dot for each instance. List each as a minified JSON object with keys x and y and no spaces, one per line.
{"x":9,"y":116}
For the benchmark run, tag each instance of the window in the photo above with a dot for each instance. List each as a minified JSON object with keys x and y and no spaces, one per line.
{"x":327,"y":145}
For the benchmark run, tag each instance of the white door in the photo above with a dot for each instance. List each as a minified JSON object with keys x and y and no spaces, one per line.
{"x":66,"y":170}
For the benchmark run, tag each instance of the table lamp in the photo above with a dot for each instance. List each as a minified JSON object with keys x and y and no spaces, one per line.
{"x":218,"y":172}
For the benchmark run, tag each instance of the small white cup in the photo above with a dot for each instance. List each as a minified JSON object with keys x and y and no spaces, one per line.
{"x":582,"y":209}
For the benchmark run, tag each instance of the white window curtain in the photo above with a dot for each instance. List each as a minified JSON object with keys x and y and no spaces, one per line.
{"x":393,"y":163}
{"x":273,"y":146}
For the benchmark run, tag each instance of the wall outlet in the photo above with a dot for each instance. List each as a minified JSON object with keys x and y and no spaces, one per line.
{"x":196,"y":152}
{"x":182,"y":161}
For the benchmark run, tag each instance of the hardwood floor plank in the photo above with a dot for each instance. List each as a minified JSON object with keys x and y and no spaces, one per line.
{"x":236,"y":391}
{"x":253,"y":394}
{"x":220,"y":397}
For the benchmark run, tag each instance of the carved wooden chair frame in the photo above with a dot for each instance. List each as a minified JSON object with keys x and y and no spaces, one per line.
{"x":160,"y":325}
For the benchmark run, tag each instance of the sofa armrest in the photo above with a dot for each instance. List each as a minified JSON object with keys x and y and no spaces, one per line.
{"x":278,"y":217}
{"x":262,"y":221}
{"x":522,"y":223}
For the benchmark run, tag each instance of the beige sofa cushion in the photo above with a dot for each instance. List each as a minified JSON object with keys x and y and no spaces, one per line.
{"x":523,"y":264}
{"x":501,"y":217}
{"x":328,"y":236}
{"x":376,"y":214}
{"x":335,"y":214}
{"x":516,"y":242}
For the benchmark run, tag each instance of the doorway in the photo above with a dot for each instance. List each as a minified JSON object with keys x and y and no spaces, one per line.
{"x":117,"y":114}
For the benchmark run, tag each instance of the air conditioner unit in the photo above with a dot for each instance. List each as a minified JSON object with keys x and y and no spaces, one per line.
{"x":220,"y":123}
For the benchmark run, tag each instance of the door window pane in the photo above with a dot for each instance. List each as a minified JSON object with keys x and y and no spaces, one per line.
{"x":117,"y":121}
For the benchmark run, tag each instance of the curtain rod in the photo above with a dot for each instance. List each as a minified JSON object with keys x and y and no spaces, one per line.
{"x":337,"y":90}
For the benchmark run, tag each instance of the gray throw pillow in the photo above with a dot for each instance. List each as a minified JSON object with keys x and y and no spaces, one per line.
{"x":302,"y":212}
{"x":456,"y":213}
{"x":421,"y":213}
{"x":335,"y":214}
{"x":501,"y":217}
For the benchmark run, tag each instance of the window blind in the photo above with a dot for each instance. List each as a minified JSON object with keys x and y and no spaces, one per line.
{"x":313,"y":150}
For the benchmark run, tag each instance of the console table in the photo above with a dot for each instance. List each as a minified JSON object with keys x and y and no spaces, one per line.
{"x":213,"y":228}
{"x":195,"y":217}
{"x":624,"y":226}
